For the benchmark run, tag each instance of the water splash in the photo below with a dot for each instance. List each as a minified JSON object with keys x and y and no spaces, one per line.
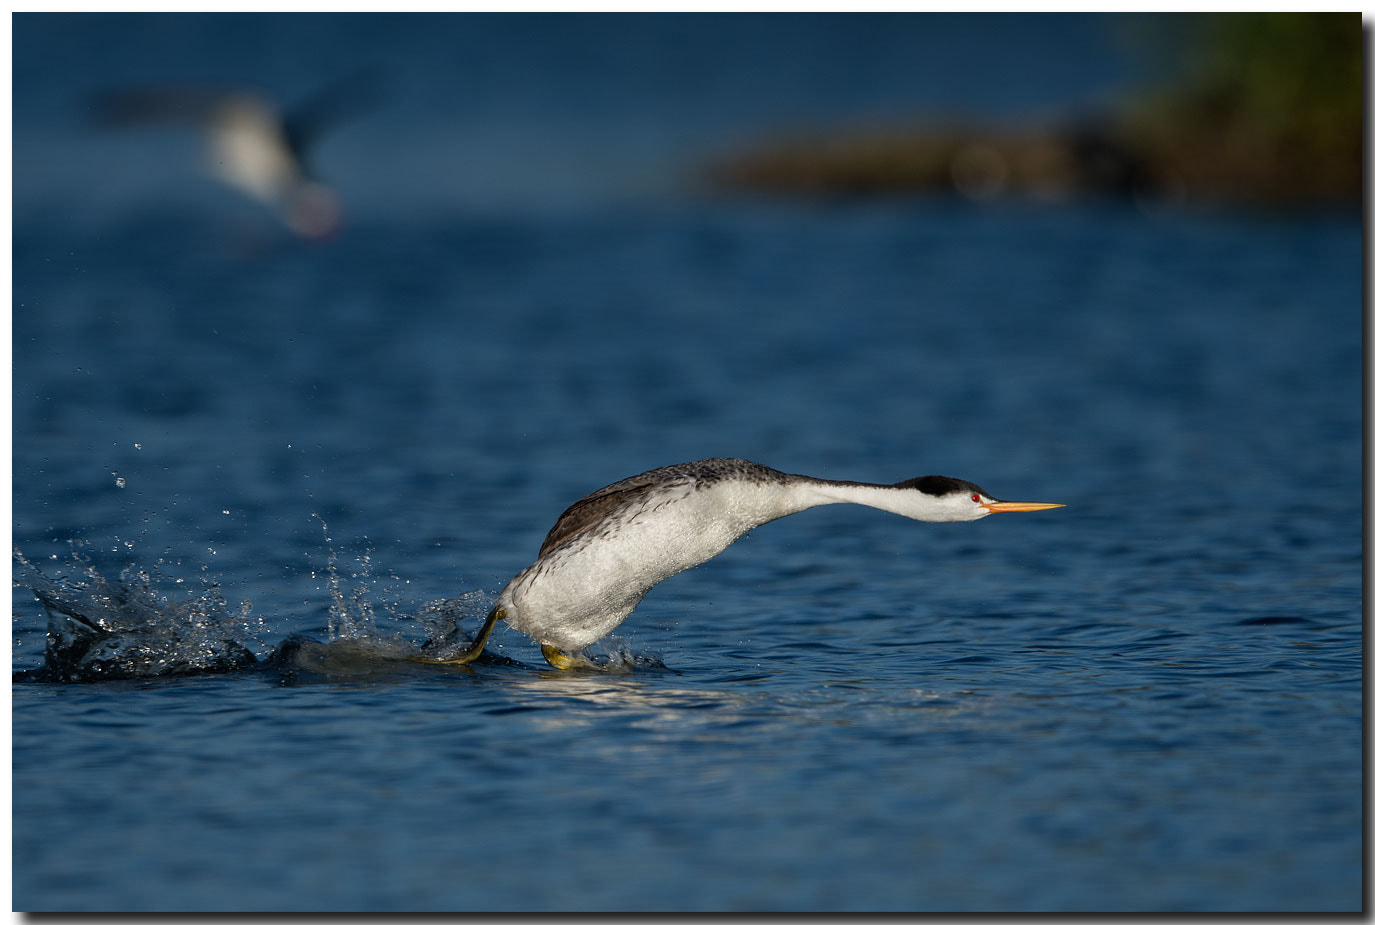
{"x":620,"y":660}
{"x":104,"y":629}
{"x":350,"y":616}
{"x":99,"y":628}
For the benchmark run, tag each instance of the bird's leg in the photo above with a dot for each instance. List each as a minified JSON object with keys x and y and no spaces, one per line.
{"x":473,"y":651}
{"x":562,"y":661}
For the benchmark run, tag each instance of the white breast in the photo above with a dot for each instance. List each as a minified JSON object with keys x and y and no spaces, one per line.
{"x":248,"y":151}
{"x":582,"y":590}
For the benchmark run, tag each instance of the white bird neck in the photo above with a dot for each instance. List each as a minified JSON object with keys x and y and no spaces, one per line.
{"x":905,"y":502}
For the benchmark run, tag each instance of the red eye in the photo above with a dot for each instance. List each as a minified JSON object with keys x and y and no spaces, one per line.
{"x":975,"y":499}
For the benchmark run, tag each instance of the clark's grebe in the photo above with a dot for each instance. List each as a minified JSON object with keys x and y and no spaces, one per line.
{"x":607,"y":550}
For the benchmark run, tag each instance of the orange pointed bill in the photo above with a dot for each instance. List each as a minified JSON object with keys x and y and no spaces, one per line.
{"x":1008,"y":507}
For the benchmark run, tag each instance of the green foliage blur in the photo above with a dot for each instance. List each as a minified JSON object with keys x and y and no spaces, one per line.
{"x":1268,"y":108}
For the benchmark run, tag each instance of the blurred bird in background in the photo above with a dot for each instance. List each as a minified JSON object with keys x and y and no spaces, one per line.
{"x":251,"y":144}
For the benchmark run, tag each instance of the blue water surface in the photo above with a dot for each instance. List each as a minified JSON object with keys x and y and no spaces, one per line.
{"x":1149,"y":700}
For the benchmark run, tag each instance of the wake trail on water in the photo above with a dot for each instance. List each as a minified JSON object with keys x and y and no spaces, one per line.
{"x":103,"y":628}
{"x":142,"y":624}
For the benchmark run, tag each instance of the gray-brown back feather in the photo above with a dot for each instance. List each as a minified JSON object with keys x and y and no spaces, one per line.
{"x":597,"y":506}
{"x":593,"y":510}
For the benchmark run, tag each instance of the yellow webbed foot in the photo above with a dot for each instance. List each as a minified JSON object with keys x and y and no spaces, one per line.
{"x":563,"y":662}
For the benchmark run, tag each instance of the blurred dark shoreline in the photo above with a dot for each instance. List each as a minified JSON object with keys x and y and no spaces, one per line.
{"x":1265,"y":110}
